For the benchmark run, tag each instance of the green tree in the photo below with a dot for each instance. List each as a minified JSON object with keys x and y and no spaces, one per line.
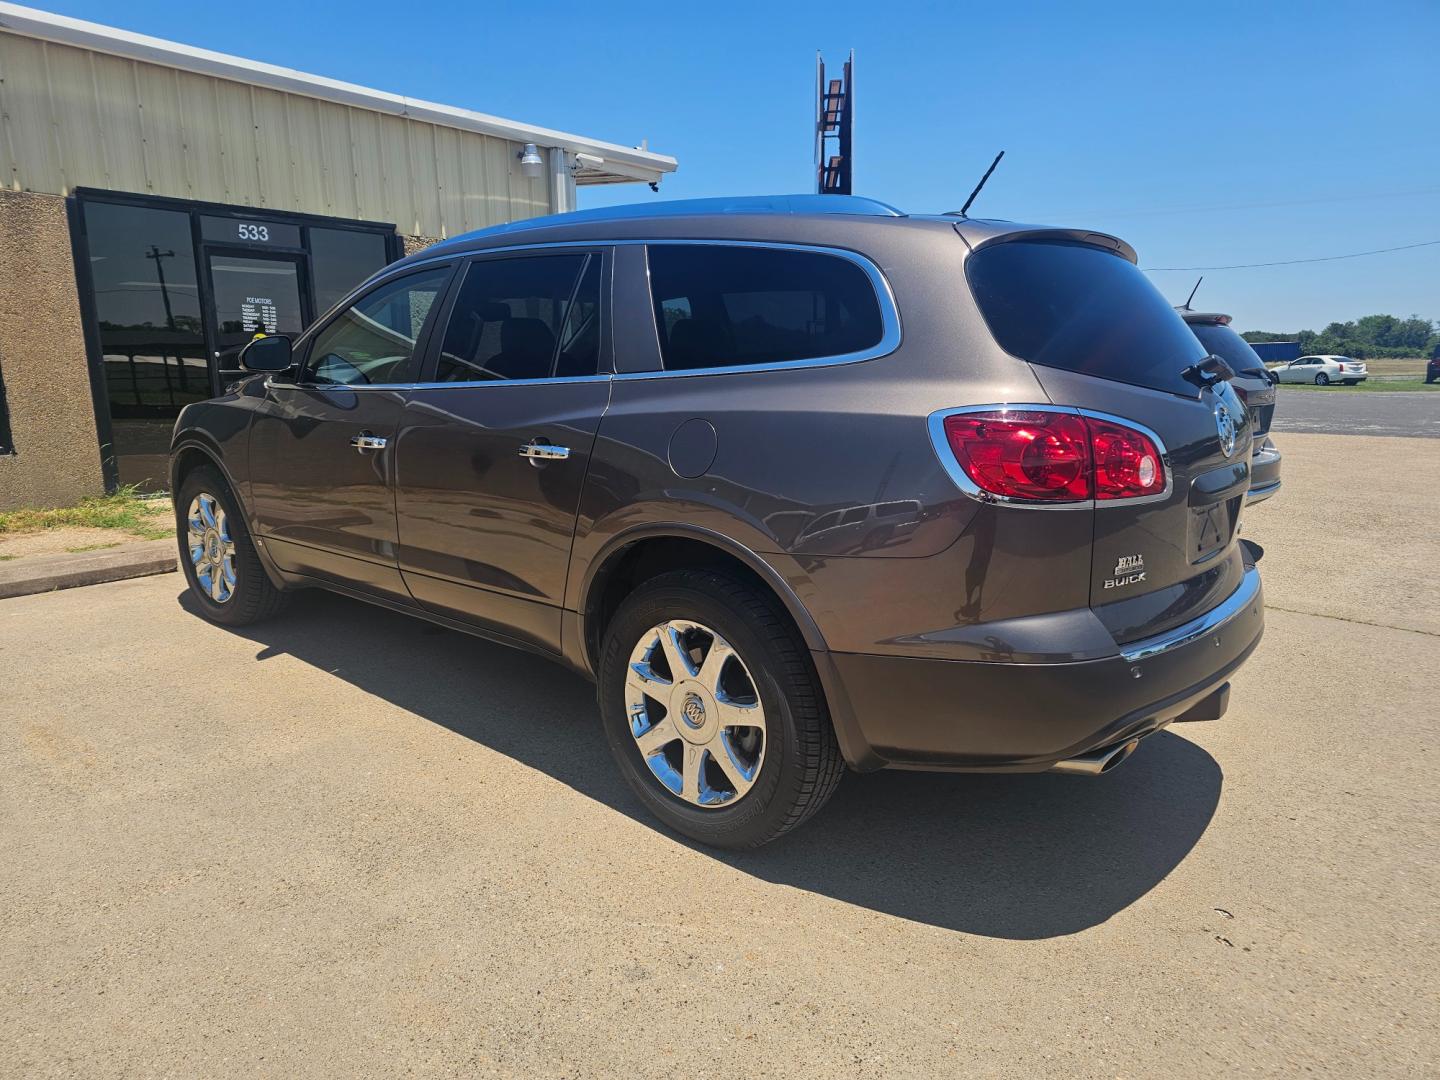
{"x":1366,"y":337}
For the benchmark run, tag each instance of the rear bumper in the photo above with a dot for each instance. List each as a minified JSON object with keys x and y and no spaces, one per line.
{"x":1264,"y":473}
{"x":913,"y":713}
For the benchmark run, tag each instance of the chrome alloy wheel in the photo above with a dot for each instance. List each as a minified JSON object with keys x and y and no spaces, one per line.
{"x":212,"y":550}
{"x":695,"y":713}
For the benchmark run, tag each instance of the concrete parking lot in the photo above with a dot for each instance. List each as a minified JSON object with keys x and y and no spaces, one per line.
{"x":348,"y":842}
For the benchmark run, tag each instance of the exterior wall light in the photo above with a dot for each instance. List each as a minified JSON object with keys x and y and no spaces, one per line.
{"x":532,"y":165}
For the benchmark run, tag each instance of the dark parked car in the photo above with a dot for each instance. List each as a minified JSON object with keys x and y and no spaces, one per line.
{"x":1253,"y":384}
{"x":1432,"y":367}
{"x":801,"y":482}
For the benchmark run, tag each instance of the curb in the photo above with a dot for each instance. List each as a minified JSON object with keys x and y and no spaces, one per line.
{"x":47,"y":573}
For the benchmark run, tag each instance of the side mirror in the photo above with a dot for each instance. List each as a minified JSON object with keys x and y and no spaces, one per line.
{"x":267,"y":354}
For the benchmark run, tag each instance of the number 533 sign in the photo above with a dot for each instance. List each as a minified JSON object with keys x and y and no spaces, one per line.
{"x":237,"y":230}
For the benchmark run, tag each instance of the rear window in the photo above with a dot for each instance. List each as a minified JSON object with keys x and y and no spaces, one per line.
{"x":1226,"y":343}
{"x":1082,"y":309}
{"x":719,"y":306}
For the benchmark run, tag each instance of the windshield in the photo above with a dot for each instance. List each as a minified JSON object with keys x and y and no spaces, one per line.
{"x":1083,"y":309}
{"x":1226,"y":343}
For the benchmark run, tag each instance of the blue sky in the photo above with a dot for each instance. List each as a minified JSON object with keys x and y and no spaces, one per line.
{"x":1205,"y":133}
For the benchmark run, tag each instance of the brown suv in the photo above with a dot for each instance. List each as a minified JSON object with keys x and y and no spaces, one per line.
{"x":802,"y":482}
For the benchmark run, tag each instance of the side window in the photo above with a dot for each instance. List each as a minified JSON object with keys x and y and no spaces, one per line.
{"x":535,"y":317}
{"x":719,"y":306}
{"x":373,"y":341}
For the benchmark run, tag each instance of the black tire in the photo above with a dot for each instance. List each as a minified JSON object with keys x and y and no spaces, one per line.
{"x":1322,"y":379}
{"x":253,"y":597}
{"x":802,"y":764}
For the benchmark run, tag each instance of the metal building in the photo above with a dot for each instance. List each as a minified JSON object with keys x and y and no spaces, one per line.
{"x":159,"y":204}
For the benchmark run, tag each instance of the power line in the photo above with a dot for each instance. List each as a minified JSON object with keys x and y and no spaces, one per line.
{"x":1292,"y":262}
{"x":1266,"y":205}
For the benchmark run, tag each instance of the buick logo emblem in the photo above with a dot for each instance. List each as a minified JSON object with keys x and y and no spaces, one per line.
{"x":1225,"y":425}
{"x":694,"y":710}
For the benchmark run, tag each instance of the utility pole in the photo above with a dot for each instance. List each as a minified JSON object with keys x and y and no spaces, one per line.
{"x":156,"y":254}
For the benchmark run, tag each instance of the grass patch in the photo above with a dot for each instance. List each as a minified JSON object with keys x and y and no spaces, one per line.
{"x":90,"y":547}
{"x":1370,"y":386}
{"x":7,"y":558}
{"x":126,"y":509}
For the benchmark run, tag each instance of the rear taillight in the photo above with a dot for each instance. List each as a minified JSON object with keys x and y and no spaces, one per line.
{"x":1127,"y":462}
{"x":1033,"y":455}
{"x":1036,"y":456}
{"x":1340,"y":366}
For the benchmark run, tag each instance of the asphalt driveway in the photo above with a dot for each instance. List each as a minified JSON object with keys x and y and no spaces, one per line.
{"x":1337,"y":411}
{"x":348,"y":842}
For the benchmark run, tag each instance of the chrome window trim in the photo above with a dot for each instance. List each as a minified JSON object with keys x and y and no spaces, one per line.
{"x":1192,"y":631}
{"x":936,"y":426}
{"x":405,"y":387}
{"x":891,"y":333}
{"x":598,"y":377}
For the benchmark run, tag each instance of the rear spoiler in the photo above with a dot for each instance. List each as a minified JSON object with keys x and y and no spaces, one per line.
{"x":978,"y":233}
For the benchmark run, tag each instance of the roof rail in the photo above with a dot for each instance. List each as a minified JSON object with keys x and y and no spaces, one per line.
{"x":748,"y":204}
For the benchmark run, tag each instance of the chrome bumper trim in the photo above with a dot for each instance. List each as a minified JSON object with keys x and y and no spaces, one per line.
{"x":1195,"y":629}
{"x":1259,"y":495}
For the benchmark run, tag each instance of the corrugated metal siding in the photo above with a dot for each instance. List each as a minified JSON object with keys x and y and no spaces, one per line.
{"x":74,"y":118}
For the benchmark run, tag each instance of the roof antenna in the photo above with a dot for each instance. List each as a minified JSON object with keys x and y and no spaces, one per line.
{"x":1193,"y":291}
{"x":980,"y":185}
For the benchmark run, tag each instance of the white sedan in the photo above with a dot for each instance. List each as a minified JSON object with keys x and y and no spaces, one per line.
{"x":1322,"y":370}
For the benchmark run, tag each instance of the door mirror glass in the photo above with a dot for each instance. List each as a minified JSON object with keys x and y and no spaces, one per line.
{"x":267,"y":354}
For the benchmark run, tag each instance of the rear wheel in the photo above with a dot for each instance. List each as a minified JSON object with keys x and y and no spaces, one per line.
{"x":713,"y":711}
{"x":1322,"y":379}
{"x":218,"y":556}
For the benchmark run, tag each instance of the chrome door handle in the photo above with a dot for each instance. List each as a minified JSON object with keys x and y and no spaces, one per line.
{"x":537,"y":451}
{"x":368,"y":442}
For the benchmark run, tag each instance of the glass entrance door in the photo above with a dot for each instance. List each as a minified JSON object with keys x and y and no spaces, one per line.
{"x":253,"y":294}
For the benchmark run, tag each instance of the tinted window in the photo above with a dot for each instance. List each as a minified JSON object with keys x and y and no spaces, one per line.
{"x":252,"y":295}
{"x":1082,"y":309}
{"x":147,"y":314}
{"x":341,"y":259}
{"x":514,"y":319}
{"x":373,"y":340}
{"x":717,"y":306}
{"x":1226,"y":343}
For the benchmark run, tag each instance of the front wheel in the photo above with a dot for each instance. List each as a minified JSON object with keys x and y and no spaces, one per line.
{"x":219,"y":558}
{"x":713,"y":710}
{"x":1322,"y":379}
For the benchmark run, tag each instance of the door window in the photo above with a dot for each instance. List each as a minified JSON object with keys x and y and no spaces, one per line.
{"x":373,"y":341}
{"x":524,"y":318}
{"x":253,"y":295}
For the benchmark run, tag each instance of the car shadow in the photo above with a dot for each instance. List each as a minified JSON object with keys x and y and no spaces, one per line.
{"x":1020,"y":856}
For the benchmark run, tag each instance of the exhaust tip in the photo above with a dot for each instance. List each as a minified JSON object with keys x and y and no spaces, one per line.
{"x":1098,"y":761}
{"x":1120,"y":756}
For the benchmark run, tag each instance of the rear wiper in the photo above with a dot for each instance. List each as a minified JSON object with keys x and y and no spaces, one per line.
{"x":1205,"y":374}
